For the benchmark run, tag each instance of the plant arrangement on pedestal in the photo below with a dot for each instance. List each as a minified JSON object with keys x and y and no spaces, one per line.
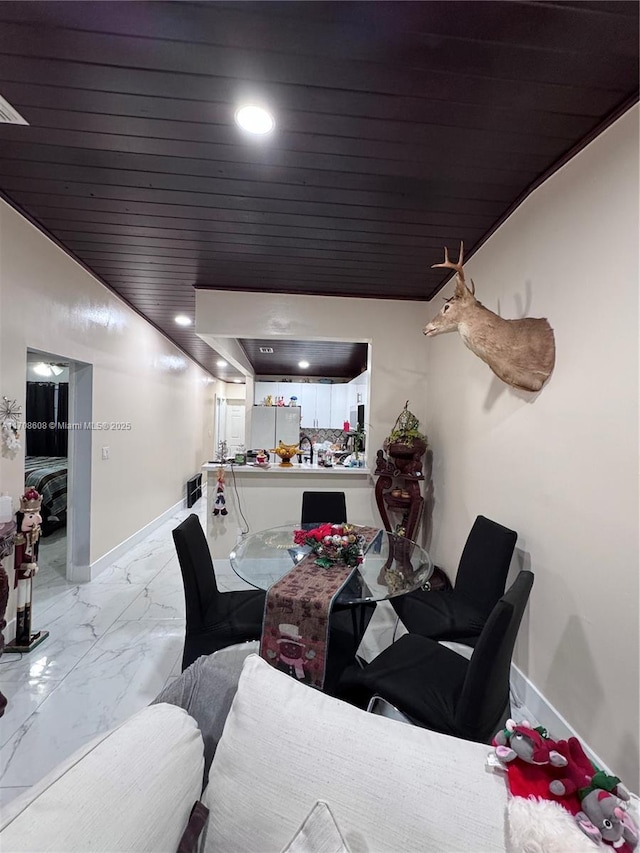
{"x":405,"y":430}
{"x":332,"y":543}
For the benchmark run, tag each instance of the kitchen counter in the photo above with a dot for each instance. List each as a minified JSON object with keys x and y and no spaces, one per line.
{"x":259,"y":498}
{"x":296,"y":468}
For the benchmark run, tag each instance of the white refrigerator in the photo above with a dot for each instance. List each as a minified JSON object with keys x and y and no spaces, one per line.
{"x":272,"y":424}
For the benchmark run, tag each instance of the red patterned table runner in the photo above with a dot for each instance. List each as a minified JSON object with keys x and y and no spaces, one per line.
{"x":295,"y":631}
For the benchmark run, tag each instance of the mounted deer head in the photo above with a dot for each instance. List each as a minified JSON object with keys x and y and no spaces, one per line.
{"x":520,"y":352}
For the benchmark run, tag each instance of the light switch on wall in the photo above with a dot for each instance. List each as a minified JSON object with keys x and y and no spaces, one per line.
{"x":105,"y":453}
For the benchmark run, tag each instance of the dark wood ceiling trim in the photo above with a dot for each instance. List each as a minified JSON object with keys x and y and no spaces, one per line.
{"x":159,"y":212}
{"x":492,"y":170}
{"x":276,"y":67}
{"x":395,"y":126}
{"x":288,"y":30}
{"x":482,"y":148}
{"x":90,"y":228}
{"x":297,"y":206}
{"x":304,"y":101}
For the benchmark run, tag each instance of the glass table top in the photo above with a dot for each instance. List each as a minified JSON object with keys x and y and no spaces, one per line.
{"x":392,"y":564}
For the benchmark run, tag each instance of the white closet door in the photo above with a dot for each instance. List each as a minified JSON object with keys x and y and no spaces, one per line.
{"x":235,"y":425}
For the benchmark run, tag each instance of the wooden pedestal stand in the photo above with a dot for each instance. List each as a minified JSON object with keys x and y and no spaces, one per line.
{"x":398,"y":491}
{"x":398,"y":486}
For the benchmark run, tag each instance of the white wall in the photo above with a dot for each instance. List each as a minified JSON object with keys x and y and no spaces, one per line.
{"x":560,"y":467}
{"x":49,"y":303}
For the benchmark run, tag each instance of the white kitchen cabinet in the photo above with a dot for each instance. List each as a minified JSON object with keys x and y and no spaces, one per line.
{"x":287,"y":390}
{"x":339,"y":404}
{"x":307,"y":400}
{"x":358,"y":390}
{"x":261,"y":389}
{"x":323,"y":406}
{"x":276,"y":389}
{"x":315,"y":399}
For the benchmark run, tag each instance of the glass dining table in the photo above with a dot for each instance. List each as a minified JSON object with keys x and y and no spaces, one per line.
{"x":392,"y":564}
{"x":292,"y":638}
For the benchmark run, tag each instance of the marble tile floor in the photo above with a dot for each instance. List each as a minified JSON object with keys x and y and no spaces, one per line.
{"x":113,"y":644}
{"x":51,"y":580}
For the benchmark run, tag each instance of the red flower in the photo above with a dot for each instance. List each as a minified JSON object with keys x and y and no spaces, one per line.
{"x":320,"y":532}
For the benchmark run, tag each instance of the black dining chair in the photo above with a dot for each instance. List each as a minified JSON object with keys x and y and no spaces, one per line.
{"x":320,"y":507}
{"x":438,"y":689}
{"x":459,"y":614}
{"x":214,"y":619}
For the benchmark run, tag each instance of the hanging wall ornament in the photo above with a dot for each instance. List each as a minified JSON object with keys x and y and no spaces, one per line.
{"x":10,"y":414}
{"x":219,"y":506}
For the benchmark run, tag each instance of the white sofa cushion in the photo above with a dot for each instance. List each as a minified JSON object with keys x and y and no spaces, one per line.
{"x":131,"y":789}
{"x":392,"y":787}
{"x":319,"y":833}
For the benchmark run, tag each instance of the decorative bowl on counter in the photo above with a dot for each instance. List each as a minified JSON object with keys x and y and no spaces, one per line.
{"x":285,"y":452}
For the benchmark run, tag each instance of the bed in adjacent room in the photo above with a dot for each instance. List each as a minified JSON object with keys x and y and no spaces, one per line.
{"x":48,"y":474}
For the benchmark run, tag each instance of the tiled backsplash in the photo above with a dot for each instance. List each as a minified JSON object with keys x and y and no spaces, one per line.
{"x":335,"y":436}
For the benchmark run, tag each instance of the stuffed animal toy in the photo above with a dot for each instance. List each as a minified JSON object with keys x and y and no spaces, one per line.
{"x":531,"y":760}
{"x":531,"y":745}
{"x":538,"y":767}
{"x":604,"y":818}
{"x":581,"y":775}
{"x":603,"y":798}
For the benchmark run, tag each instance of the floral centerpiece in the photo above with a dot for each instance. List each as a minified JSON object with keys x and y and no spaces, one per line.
{"x":332,"y":543}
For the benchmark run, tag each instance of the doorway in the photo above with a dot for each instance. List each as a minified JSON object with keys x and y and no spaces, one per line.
{"x":58,"y":464}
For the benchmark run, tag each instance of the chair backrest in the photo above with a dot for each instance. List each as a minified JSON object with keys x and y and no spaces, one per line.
{"x":484,"y":564}
{"x":196,"y":565}
{"x":485,"y":692}
{"x":319,"y":507}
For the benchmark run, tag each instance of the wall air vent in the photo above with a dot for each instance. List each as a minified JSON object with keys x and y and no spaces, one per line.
{"x":266,"y":350}
{"x":9,"y":115}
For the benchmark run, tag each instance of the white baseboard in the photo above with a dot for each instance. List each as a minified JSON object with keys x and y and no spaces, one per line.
{"x":82,"y":574}
{"x":549,"y":716}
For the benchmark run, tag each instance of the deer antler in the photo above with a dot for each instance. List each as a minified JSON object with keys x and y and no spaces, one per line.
{"x":450,"y":265}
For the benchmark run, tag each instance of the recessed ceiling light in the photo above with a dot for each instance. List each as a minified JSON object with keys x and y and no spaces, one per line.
{"x":238,"y":381}
{"x":255,"y":119}
{"x":221,"y":362}
{"x":303,"y":364}
{"x":182,"y":320}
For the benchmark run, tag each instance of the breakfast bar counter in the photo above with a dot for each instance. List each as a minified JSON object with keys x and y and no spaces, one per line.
{"x":256,"y":498}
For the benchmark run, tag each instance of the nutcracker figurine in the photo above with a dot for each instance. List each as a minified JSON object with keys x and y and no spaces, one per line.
{"x":26,"y":542}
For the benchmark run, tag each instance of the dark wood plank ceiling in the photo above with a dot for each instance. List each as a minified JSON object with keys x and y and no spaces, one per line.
{"x":336,"y":359}
{"x":400,"y":127}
